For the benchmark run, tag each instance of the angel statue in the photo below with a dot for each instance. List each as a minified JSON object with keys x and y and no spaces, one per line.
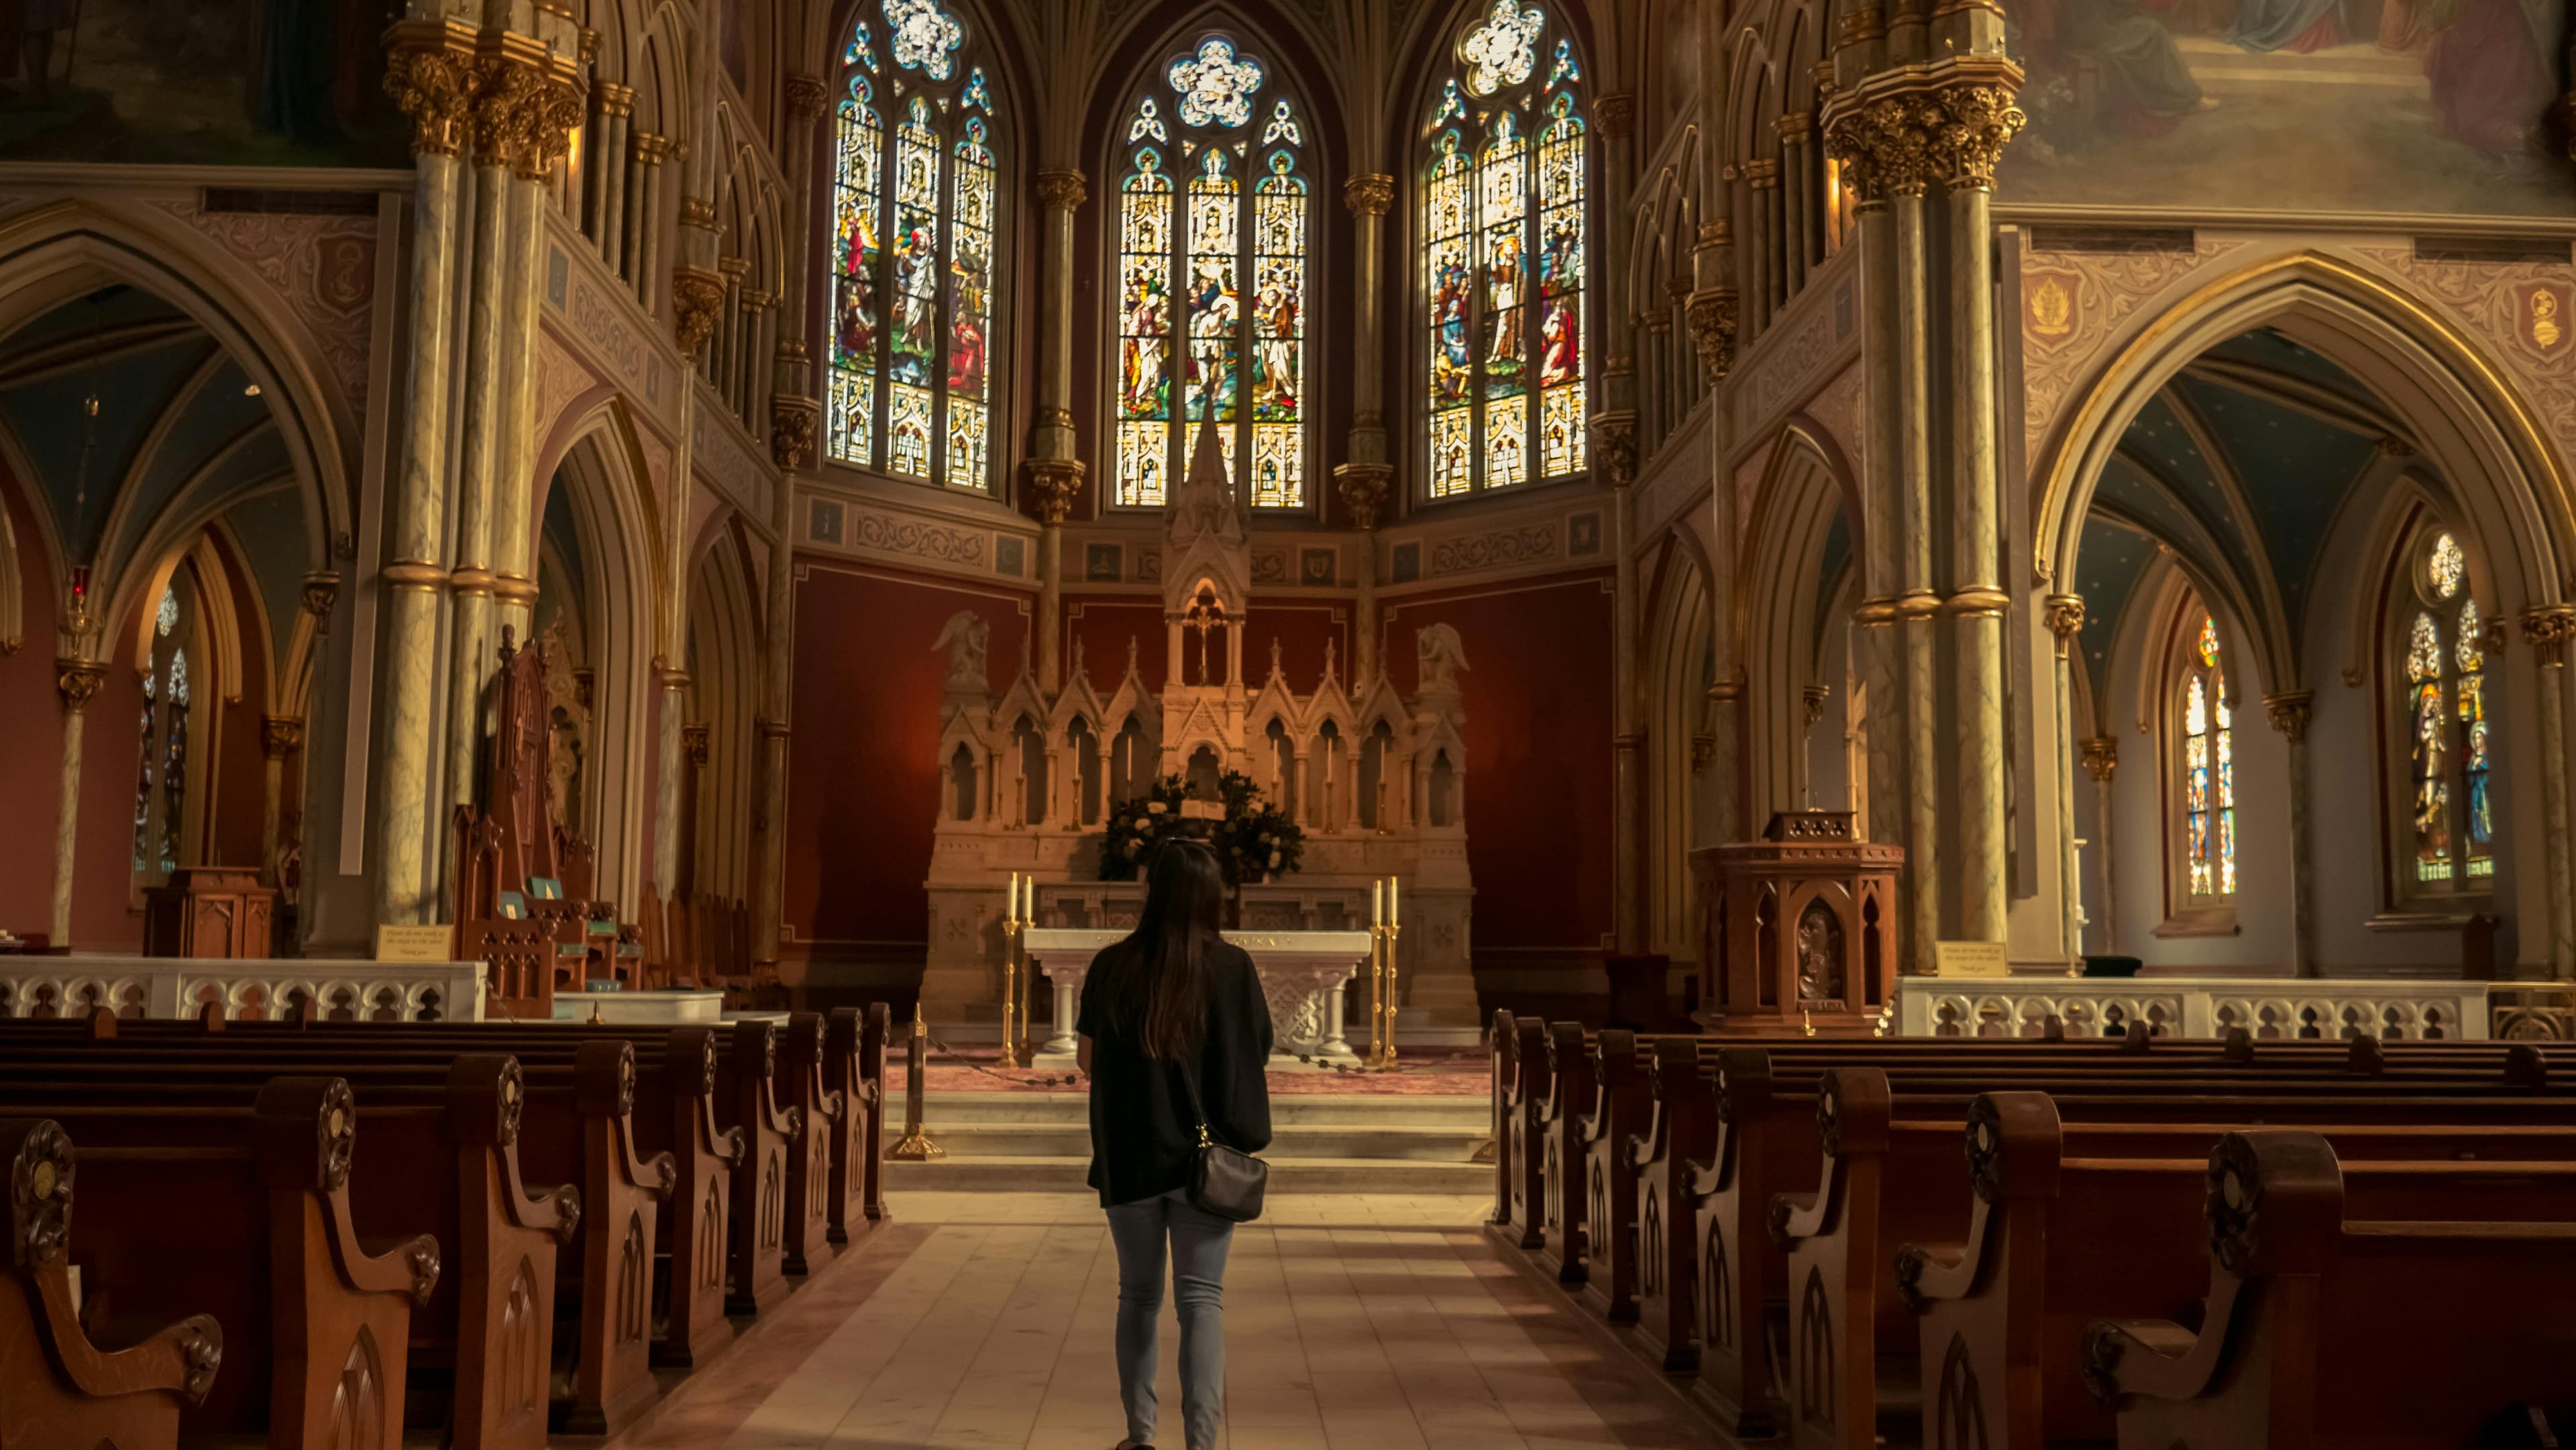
{"x":964,"y":636}
{"x":1442,"y":657}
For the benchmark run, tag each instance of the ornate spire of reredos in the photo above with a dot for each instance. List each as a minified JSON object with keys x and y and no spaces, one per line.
{"x":1203,"y":506}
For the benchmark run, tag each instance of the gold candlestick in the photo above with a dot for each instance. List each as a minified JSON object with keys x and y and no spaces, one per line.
{"x":915,"y":1145}
{"x":1391,"y":998}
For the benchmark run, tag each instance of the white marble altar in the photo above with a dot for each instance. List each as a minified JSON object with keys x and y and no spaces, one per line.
{"x":1305,"y":976}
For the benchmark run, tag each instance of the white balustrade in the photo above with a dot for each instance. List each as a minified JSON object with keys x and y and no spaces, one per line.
{"x":2268,"y":1008}
{"x":175,"y":988}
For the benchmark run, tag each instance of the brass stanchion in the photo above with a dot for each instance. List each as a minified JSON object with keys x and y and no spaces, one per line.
{"x":915,"y":1145}
{"x":1383,"y":997}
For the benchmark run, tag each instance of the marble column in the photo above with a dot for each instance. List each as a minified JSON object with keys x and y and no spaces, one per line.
{"x":1917,"y":604}
{"x":643,"y":188}
{"x":605,"y":172}
{"x":1762,"y":187}
{"x":515,"y":521}
{"x":1711,"y":312}
{"x":722,"y":361}
{"x":1615,"y":116}
{"x":77,"y":681}
{"x":2548,"y":628}
{"x":1061,"y":195}
{"x":1055,"y":484}
{"x":1976,"y":603}
{"x":2101,"y":755}
{"x":2066,"y":622}
{"x":429,"y":73}
{"x":673,"y":759}
{"x":1882,"y":801}
{"x":2289,"y":711}
{"x":1367,"y":196}
{"x":279,"y":737}
{"x":1797,"y":197}
{"x":1614,"y":462}
{"x":1365,"y":487}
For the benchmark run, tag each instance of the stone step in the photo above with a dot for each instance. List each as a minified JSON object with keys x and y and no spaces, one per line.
{"x":1408,"y":1143}
{"x":1455,"y":1112}
{"x":1060,"y":1173}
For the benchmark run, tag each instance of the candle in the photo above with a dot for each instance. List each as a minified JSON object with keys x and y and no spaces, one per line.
{"x":1394,"y":913}
{"x":1377,"y":903}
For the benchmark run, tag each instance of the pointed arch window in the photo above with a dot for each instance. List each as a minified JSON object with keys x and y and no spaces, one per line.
{"x":162,"y":767}
{"x":1215,"y":221}
{"x":2447,"y":842}
{"x":1504,"y":189}
{"x":915,"y":226}
{"x":2207,"y":780}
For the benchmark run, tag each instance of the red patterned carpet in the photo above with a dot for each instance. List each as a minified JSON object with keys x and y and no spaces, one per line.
{"x":1456,"y":1074}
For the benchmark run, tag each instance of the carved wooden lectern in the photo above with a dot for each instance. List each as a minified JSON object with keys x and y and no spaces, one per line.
{"x":210,"y":911}
{"x":1800,"y":926}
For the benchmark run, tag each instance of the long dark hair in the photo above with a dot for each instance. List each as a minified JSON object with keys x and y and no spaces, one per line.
{"x":1158,"y":984}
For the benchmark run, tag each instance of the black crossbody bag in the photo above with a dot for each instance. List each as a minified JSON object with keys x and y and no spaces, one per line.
{"x":1223,"y":1181}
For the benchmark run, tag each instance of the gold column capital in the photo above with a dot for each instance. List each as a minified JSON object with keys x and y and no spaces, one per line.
{"x":808,"y":97}
{"x":2065,"y":616}
{"x":1863,"y":25}
{"x":415,"y":576}
{"x":793,"y":420}
{"x":1977,"y":601}
{"x":1062,"y":189}
{"x":667,"y":677}
{"x":1871,"y":613}
{"x":318,"y":594}
{"x":1977,"y":119}
{"x":515,"y":589}
{"x":1369,"y":193}
{"x":611,"y":99}
{"x":696,"y":296}
{"x":280,"y":736}
{"x":1794,"y":125}
{"x":78,"y":682}
{"x":2289,"y":712}
{"x":1365,"y":489}
{"x":652,"y":148}
{"x":693,"y":743}
{"x":1714,"y":234}
{"x":1816,"y":696}
{"x":2101,"y":756}
{"x":736,"y":268}
{"x":470,"y":583}
{"x":1054,"y":484}
{"x":429,"y":72}
{"x":696,"y":211}
{"x":2547,"y":629}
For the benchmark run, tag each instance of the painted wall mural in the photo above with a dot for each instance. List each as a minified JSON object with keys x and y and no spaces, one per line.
{"x":234,"y":82}
{"x":2370,"y":105}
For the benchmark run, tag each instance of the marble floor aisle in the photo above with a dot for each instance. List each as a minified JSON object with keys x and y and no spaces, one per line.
{"x":1353,"y":1323}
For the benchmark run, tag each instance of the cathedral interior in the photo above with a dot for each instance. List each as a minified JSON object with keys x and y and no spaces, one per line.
{"x":1631,"y":525}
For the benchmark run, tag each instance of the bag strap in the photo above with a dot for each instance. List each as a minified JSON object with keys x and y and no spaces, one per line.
{"x":1190,"y":1086}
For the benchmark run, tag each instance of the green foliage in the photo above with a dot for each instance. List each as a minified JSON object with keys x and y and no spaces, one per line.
{"x":1254,"y":841}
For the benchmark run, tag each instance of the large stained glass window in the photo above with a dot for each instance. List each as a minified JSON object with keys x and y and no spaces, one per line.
{"x":1214,"y":273}
{"x":2208,"y":770}
{"x":2443,"y":717}
{"x":1504,"y":231}
{"x":161,"y":773}
{"x":914,"y":233}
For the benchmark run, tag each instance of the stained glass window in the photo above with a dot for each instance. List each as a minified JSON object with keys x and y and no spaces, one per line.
{"x":1215,"y":213}
{"x":161,"y":773}
{"x":2443,"y":711}
{"x":2208,"y":770}
{"x":915,"y":232}
{"x":1505,"y":226}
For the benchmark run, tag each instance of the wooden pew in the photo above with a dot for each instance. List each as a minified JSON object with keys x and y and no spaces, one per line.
{"x":1609,"y":1174}
{"x":442,"y":1161}
{"x":1569,"y":1104}
{"x":824,"y":1113}
{"x":2323,"y":1328}
{"x":58,"y":1385}
{"x":2002,"y":1311}
{"x":1502,"y":1046}
{"x":760,"y":1187}
{"x":1524,"y":1113}
{"x":269,"y":1244}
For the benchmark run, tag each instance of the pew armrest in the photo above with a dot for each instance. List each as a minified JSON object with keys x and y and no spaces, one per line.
{"x":403,"y":1266}
{"x":1795,"y":1216}
{"x":1641,"y":1151}
{"x":180,"y":1359}
{"x":1929,"y":1272}
{"x":555,"y":1210}
{"x":2156,"y":1357}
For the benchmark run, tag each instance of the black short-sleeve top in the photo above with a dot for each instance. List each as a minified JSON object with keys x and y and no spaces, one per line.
{"x":1143,"y":1136}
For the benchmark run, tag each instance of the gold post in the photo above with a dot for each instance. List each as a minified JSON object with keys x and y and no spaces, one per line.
{"x":915,"y":1145}
{"x":1377,"y":997}
{"x":1010,"y":971}
{"x":1394,"y":931}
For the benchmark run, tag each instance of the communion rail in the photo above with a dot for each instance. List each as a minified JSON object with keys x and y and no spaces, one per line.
{"x":2267,"y":1007}
{"x":179,"y":987}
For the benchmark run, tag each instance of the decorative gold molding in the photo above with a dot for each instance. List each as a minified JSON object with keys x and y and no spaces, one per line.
{"x":1062,"y":189}
{"x":429,"y":72}
{"x":415,"y":576}
{"x":1917,"y":604}
{"x":470,"y":583}
{"x":1054,"y":484}
{"x":1369,"y":193}
{"x":280,"y":736}
{"x":612,"y":100}
{"x":1977,"y":120}
{"x":1872,"y":613}
{"x":1794,"y":125}
{"x":516,"y":590}
{"x":697,"y":211}
{"x":1053,"y":418}
{"x":2289,"y":712}
{"x":1365,"y":490}
{"x":1977,"y":601}
{"x":2065,"y":616}
{"x":793,"y":421}
{"x":1713,"y":235}
{"x":1816,"y":696}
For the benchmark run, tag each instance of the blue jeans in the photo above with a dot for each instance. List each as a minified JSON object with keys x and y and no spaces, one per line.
{"x":1199,"y":1241}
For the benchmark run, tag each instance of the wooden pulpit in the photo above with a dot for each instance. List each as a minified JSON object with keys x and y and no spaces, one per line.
{"x":210,"y":911}
{"x":1800,"y":926}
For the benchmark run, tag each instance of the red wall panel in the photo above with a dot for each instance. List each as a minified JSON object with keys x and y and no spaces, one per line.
{"x":31,"y":736}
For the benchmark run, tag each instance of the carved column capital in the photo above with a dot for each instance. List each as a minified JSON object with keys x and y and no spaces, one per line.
{"x":1902,"y":143}
{"x":696,"y":211}
{"x":1614,"y":446}
{"x":1062,"y":189}
{"x":2547,"y":629}
{"x":319,"y":594}
{"x":652,"y":148}
{"x":1369,"y":193}
{"x":1703,"y":751}
{"x":2101,"y":756}
{"x":807,"y":97}
{"x":1848,"y":140}
{"x":1365,"y":490}
{"x":1976,"y":120}
{"x":429,"y":72}
{"x":1712,"y":316}
{"x":280,"y":736}
{"x":78,"y":681}
{"x":2065,"y":616}
{"x":2289,"y":712}
{"x":1615,"y":114}
{"x":1816,"y":696}
{"x":697,"y":295}
{"x":693,"y":742}
{"x":792,"y":422}
{"x":610,"y":99}
{"x":1054,"y":485}
{"x":1794,"y":125}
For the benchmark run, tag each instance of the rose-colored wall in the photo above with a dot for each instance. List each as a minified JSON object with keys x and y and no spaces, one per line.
{"x":863,"y":785}
{"x":31,"y":736}
{"x":1538,"y":754}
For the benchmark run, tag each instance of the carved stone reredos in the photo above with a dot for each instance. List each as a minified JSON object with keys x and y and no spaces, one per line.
{"x":1206,"y":534}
